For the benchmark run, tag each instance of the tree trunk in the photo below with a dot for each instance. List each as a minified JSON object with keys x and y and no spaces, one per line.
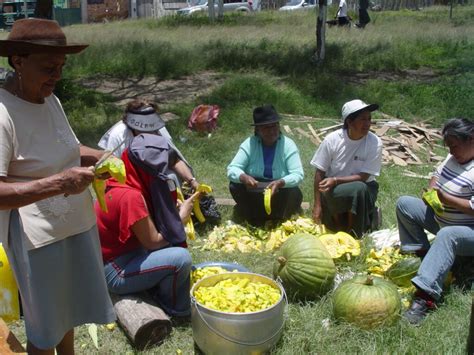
{"x":144,"y":323}
{"x":212,"y":15}
{"x":220,"y":9}
{"x":321,"y":31}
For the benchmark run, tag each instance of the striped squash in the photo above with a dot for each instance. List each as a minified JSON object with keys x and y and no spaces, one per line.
{"x":305,"y":267}
{"x":367,"y":301}
{"x":403,"y":271}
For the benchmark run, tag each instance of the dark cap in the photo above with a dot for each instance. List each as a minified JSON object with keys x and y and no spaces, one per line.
{"x":151,"y":153}
{"x":265,"y":114}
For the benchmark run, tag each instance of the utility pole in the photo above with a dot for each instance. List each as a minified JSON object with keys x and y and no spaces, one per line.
{"x":321,"y":31}
{"x":210,"y":6}
{"x":25,"y":8}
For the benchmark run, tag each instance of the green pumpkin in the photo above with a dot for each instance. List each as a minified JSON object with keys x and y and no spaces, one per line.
{"x":401,"y":272}
{"x":305,"y":267}
{"x":367,"y":302}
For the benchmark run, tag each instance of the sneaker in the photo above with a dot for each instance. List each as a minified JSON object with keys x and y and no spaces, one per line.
{"x":418,"y":310}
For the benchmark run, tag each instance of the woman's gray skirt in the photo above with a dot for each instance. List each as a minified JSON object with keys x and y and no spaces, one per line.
{"x":61,"y":285}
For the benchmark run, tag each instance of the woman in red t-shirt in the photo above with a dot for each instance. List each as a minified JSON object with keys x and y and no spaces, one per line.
{"x":142,"y":234}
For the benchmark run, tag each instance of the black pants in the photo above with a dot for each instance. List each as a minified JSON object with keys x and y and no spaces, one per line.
{"x":343,"y":21}
{"x":250,"y":207}
{"x":357,"y":198}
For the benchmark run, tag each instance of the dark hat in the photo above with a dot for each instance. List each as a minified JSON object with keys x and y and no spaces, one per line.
{"x":34,"y":35}
{"x":263,"y":115}
{"x":151,"y":153}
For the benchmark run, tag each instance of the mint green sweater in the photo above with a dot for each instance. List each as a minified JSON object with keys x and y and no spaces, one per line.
{"x":249,"y":160}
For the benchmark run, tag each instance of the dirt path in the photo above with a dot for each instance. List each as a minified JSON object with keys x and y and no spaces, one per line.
{"x":189,"y":87}
{"x":420,"y":75}
{"x":162,"y":92}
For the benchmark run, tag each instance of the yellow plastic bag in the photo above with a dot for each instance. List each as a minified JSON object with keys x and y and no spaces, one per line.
{"x":116,"y":168}
{"x":431,"y":198}
{"x":9,"y":302}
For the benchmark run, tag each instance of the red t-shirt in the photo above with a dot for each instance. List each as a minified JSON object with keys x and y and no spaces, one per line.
{"x":126,"y":206}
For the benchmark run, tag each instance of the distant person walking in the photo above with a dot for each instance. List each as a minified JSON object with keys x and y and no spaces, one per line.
{"x":341,"y":14}
{"x":364,"y":17}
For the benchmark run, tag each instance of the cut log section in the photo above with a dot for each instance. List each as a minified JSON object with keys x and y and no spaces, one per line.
{"x":144,"y":323}
{"x":9,"y":344}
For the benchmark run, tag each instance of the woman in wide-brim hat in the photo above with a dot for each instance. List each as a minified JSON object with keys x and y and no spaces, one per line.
{"x":268,"y":159}
{"x":47,"y":219}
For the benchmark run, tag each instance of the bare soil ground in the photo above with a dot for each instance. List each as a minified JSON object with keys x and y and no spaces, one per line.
{"x":187,"y":88}
{"x":161,"y":92}
{"x":421,"y":75}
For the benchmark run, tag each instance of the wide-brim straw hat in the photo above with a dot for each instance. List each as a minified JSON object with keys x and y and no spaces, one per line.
{"x":32,"y":36}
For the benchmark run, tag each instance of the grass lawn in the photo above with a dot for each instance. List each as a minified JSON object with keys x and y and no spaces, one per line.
{"x":418,"y":65}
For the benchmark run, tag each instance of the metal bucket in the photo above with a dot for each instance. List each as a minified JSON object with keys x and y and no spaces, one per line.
{"x":218,"y":332}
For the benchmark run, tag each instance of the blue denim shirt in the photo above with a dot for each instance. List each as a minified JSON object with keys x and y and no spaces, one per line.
{"x":249,"y":160}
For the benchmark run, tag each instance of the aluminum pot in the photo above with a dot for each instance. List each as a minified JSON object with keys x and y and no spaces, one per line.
{"x":218,"y":332}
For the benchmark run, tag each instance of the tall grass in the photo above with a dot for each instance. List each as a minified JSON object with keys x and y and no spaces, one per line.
{"x":280,"y":42}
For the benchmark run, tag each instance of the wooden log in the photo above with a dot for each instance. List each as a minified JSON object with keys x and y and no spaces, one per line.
{"x":399,"y":161}
{"x":144,"y":323}
{"x":305,"y":118}
{"x":414,"y":175}
{"x":413,"y":155}
{"x":314,"y":133}
{"x":381,"y":131}
{"x":231,"y":202}
{"x":399,"y":154}
{"x":303,"y":133}
{"x":9,"y":344}
{"x":307,"y":135}
{"x":323,"y":130}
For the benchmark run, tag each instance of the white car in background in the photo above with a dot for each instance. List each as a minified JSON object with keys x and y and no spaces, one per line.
{"x":229,"y":5}
{"x":298,"y":5}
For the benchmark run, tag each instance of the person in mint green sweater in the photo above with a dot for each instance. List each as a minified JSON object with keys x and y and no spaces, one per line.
{"x":267,"y":159}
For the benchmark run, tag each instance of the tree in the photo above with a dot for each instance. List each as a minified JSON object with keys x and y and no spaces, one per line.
{"x":210,"y":6}
{"x":220,"y":9}
{"x":321,"y":31}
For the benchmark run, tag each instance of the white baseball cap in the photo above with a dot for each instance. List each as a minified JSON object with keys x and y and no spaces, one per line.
{"x":354,"y":106}
{"x":144,"y":120}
